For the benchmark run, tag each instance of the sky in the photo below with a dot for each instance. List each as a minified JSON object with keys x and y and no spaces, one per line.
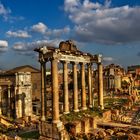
{"x":107,"y":27}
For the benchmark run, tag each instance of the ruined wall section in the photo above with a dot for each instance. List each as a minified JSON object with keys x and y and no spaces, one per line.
{"x":23,"y":94}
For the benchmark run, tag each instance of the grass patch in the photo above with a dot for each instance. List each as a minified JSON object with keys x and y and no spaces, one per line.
{"x":75,"y":116}
{"x":31,"y":135}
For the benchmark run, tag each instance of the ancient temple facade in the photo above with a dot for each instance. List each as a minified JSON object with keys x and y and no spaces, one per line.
{"x":67,"y":54}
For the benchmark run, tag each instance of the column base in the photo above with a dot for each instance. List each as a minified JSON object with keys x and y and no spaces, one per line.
{"x":66,"y":112}
{"x":76,"y":110}
{"x":90,"y":106}
{"x":43,"y":118}
{"x":102,"y":107}
{"x":56,"y":121}
{"x":84,"y":108}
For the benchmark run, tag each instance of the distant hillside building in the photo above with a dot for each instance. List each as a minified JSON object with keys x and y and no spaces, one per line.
{"x":112,"y":77}
{"x":18,"y":87}
{"x":135,"y":73}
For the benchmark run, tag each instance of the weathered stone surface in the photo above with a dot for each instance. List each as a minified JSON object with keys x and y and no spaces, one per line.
{"x":133,"y":137}
{"x":110,"y":131}
{"x":107,"y":115}
{"x":54,"y":131}
{"x":23,"y":94}
{"x":101,"y":134}
{"x":85,"y":125}
{"x":67,"y":46}
{"x":92,"y":122}
{"x":120,"y":134}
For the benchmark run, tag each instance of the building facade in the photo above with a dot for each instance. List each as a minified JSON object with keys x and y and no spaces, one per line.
{"x":18,"y":87}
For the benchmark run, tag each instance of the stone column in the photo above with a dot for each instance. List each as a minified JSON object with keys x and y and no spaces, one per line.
{"x":83,"y":104}
{"x":75,"y":88}
{"x":66,"y":94}
{"x":9,"y":98}
{"x":100,"y":86}
{"x":55,"y":93}
{"x":18,"y":102}
{"x":43,"y":91}
{"x":90,"y":94}
{"x":0,"y":100}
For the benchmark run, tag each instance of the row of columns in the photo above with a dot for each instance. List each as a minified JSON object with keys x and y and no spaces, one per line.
{"x":55,"y":92}
{"x":9,"y":103}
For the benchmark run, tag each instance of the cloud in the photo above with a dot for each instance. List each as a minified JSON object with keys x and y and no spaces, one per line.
{"x":4,"y":12}
{"x":28,"y":48}
{"x":39,"y":27}
{"x":18,"y":34}
{"x":53,"y":33}
{"x":58,"y":32}
{"x":3,"y":45}
{"x":109,"y":59}
{"x":95,"y":22}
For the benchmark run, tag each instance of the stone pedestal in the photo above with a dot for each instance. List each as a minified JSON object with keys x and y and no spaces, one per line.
{"x":49,"y":131}
{"x":85,"y":125}
{"x":93,"y":123}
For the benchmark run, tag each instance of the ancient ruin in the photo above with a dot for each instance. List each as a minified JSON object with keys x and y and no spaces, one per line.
{"x":67,"y":53}
{"x":19,"y":95}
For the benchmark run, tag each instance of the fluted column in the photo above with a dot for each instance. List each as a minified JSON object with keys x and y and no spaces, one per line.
{"x":9,"y":98}
{"x":100,"y":85}
{"x":0,"y":100}
{"x":75,"y":86}
{"x":90,"y":94}
{"x":83,"y":104}
{"x":66,"y":96}
{"x":55,"y":93}
{"x":43,"y":91}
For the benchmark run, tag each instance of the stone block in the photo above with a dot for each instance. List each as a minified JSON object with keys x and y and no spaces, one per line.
{"x":85,"y":125}
{"x":77,"y":126}
{"x":49,"y":130}
{"x":107,"y":115}
{"x":92,"y":123}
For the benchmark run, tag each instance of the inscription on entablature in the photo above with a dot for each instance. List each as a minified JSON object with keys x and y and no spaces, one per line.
{"x":73,"y":58}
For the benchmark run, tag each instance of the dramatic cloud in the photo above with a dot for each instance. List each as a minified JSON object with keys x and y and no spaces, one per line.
{"x":18,"y":34}
{"x":4,"y":12}
{"x":28,"y":48}
{"x":43,"y":29}
{"x":58,"y":32}
{"x":95,"y":22}
{"x":40,"y":28}
{"x":3,"y":45}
